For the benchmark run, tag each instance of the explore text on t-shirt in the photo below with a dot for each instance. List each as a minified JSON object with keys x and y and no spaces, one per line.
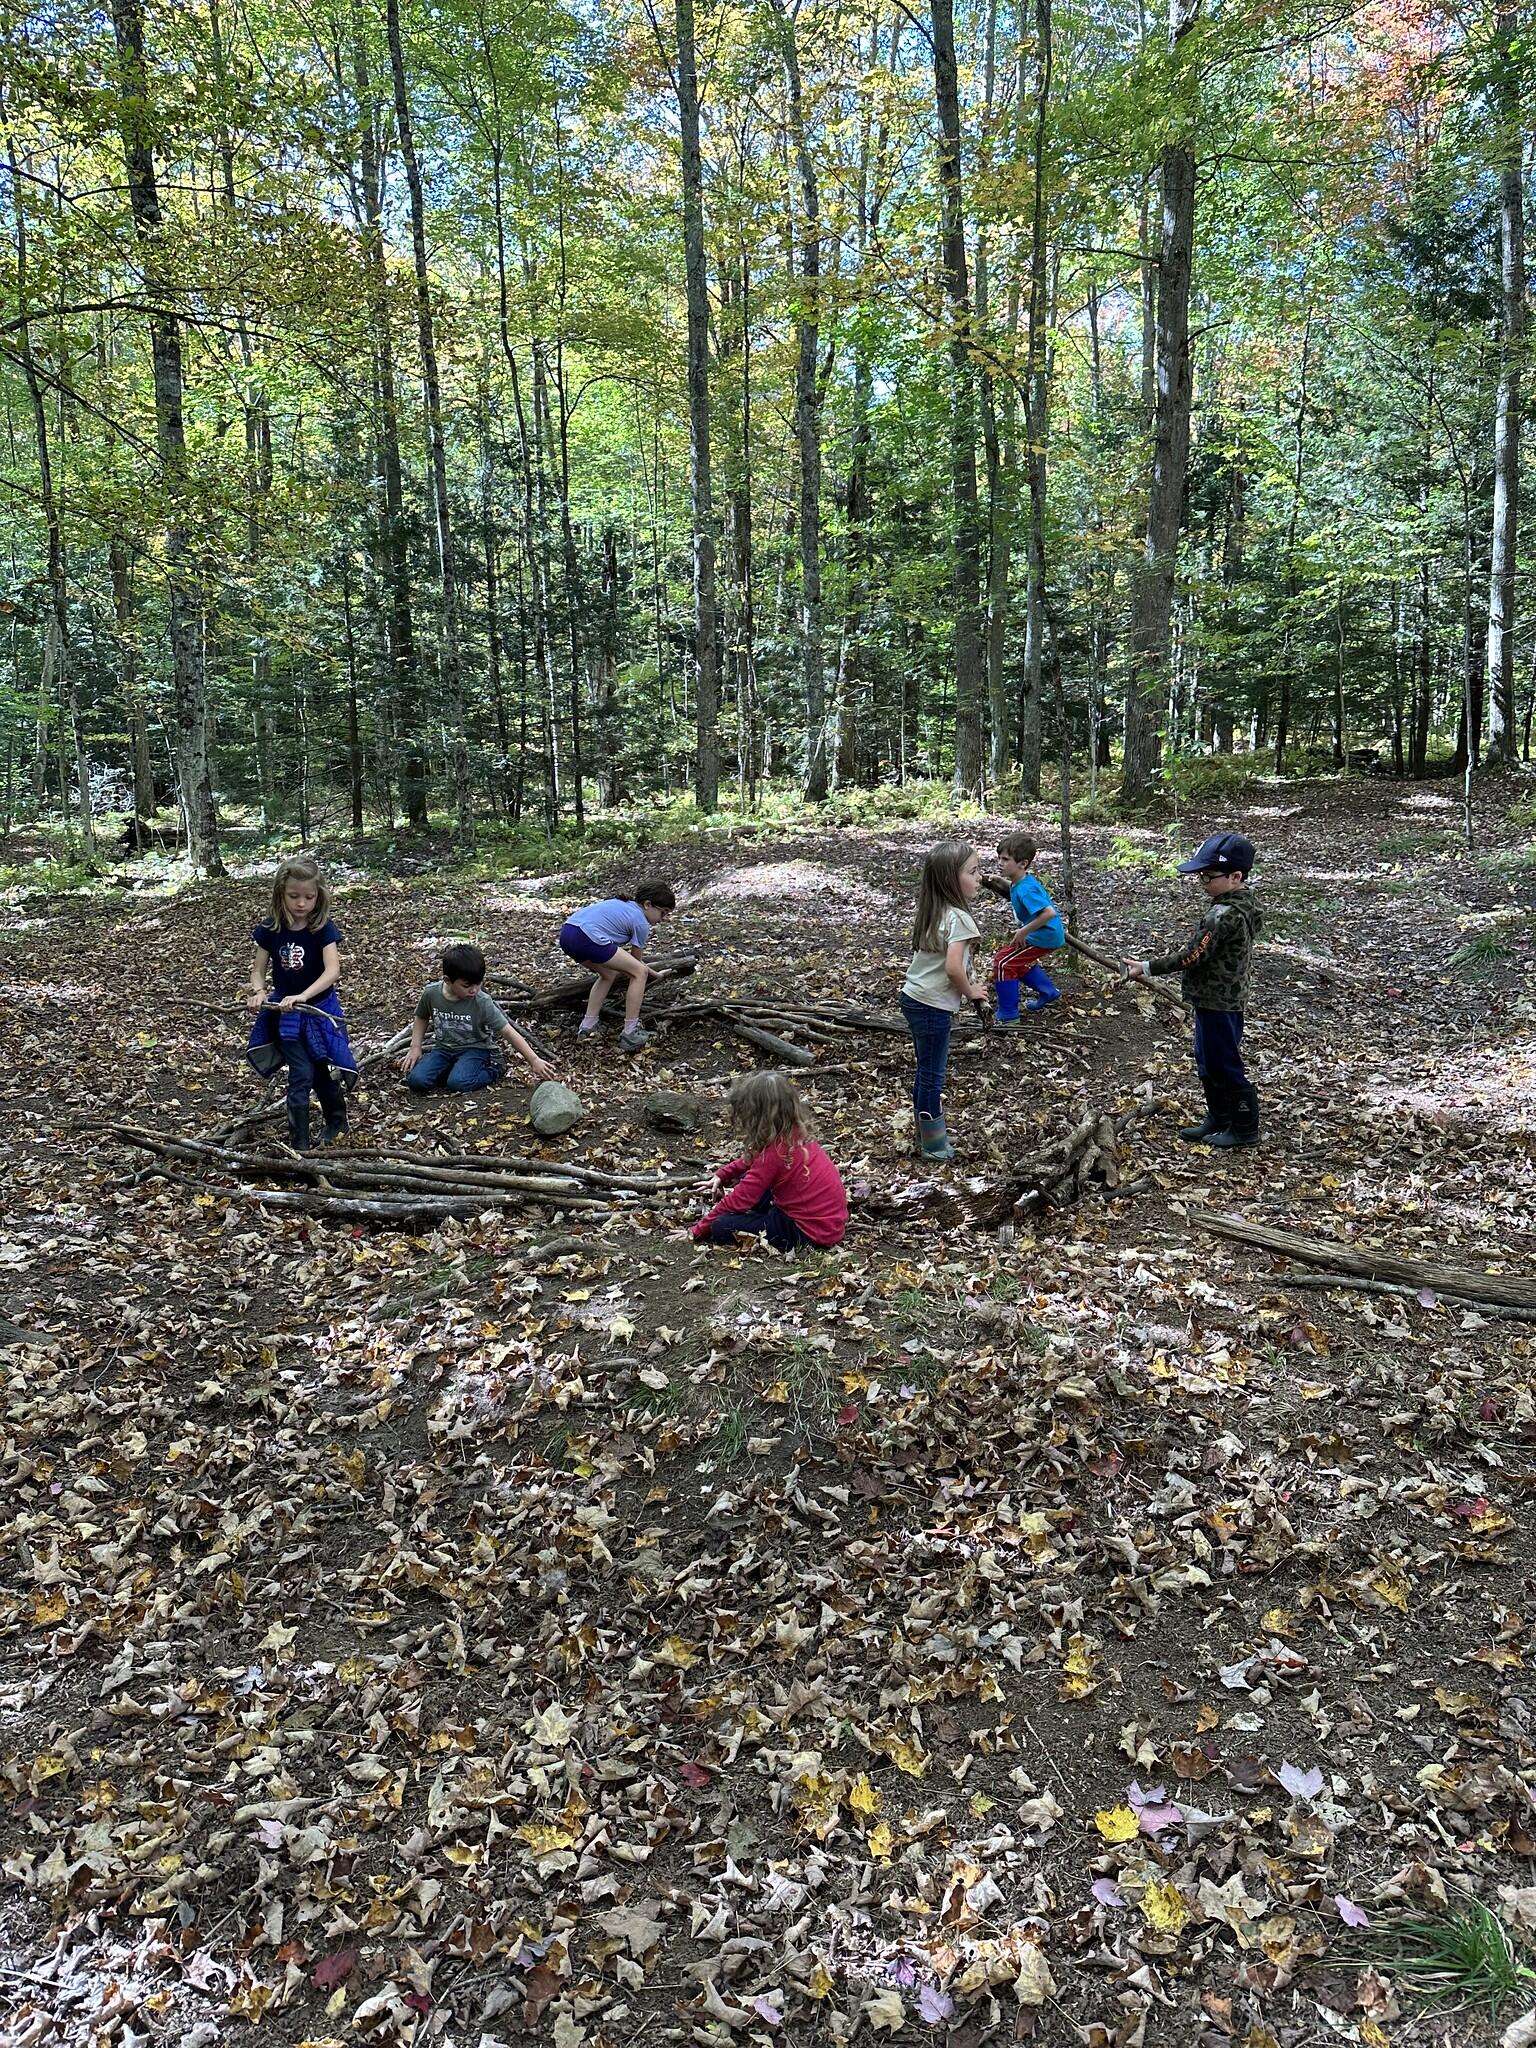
{"x":459,"y":1026}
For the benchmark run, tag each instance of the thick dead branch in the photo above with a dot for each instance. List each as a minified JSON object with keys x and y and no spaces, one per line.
{"x":769,"y":1042}
{"x":1503,"y":1290}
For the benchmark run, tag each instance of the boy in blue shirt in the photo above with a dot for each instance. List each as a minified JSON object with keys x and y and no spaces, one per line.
{"x":1038,"y":932}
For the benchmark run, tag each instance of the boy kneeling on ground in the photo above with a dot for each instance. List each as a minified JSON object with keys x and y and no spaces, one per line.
{"x":468,"y":1031}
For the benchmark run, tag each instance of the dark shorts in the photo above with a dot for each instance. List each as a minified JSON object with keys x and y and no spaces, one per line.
{"x":578,"y":945}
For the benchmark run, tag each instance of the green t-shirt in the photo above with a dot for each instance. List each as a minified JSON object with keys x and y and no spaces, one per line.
{"x":460,"y":1027}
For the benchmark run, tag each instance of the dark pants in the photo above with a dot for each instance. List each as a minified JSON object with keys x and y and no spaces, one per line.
{"x":1218,"y":1039}
{"x":477,"y":1067}
{"x":769,"y":1223}
{"x":308,"y":1076}
{"x":930,"y":1029}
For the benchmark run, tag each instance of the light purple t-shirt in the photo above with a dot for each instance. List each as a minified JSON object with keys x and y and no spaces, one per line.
{"x":616,"y":921}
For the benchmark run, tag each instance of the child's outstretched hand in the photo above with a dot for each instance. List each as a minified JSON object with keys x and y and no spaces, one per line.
{"x":407,"y":1059}
{"x":1136,"y":970}
{"x":541,"y":1070}
{"x":708,"y":1184}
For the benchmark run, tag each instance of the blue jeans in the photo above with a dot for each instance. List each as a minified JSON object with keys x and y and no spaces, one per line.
{"x":1218,"y":1037}
{"x":769,"y":1222}
{"x":930,"y":1029}
{"x":477,"y":1067}
{"x":308,"y":1076}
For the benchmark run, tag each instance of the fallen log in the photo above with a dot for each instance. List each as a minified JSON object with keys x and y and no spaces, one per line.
{"x":1325,"y":1283}
{"x":1502,"y":1290}
{"x":379,"y":1209}
{"x":767,"y":1041}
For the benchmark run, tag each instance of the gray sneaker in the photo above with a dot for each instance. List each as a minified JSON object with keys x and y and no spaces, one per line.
{"x":635,"y":1037}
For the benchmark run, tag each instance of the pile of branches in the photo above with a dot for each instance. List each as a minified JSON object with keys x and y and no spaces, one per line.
{"x":381,"y":1184}
{"x":789,"y":1031}
{"x":1082,"y":1159}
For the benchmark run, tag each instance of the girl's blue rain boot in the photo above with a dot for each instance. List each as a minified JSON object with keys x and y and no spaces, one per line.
{"x":933,"y":1139}
{"x":1045,"y":990}
{"x":1007,"y":1017}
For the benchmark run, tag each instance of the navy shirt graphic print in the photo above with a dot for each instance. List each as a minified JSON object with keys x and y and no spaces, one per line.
{"x":298,"y":957}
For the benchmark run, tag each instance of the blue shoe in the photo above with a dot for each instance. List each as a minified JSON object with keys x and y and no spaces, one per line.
{"x":1007,"y":1002}
{"x":1044,"y":1002}
{"x":932,"y":1138}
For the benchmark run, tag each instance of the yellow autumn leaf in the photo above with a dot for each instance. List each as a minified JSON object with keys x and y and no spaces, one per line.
{"x":882,"y":1843}
{"x":1077,"y":1666}
{"x":1034,"y":1983}
{"x":1393,"y":1590}
{"x":864,"y":1798}
{"x":819,"y":1983}
{"x":544,"y":1835}
{"x":906,"y":1756}
{"x":1163,"y":1906}
{"x":1374,"y":2034}
{"x":1117,"y":1823}
{"x":49,"y":1765}
{"x":1278,"y":1621}
{"x":676,"y":1652}
{"x":50,"y":1607}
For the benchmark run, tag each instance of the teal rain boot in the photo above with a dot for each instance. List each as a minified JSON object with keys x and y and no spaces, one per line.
{"x":932,"y":1139}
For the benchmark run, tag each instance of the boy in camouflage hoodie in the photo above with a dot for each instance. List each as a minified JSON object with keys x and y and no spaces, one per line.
{"x":1215,"y":963}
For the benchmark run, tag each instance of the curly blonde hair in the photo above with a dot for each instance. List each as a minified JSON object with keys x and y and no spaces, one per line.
{"x":765,"y":1109}
{"x":301,"y":869}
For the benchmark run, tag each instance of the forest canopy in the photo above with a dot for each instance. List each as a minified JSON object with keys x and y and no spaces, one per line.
{"x":503,"y":410}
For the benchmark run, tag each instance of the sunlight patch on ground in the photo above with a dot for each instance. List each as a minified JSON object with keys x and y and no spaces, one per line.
{"x":782,"y":880}
{"x":1490,"y":1088}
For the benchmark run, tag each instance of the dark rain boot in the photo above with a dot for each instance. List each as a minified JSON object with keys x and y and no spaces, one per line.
{"x":298,"y":1126}
{"x":1218,"y":1116}
{"x":1244,"y":1129}
{"x":932,"y":1138}
{"x":335,"y":1121}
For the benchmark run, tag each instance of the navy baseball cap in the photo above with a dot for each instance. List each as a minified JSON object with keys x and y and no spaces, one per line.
{"x":1224,"y":853}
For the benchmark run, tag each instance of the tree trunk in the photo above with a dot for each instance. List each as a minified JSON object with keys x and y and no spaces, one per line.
{"x":1036,"y":422}
{"x":1292,"y":580}
{"x":807,"y":420}
{"x":450,"y":667}
{"x":1506,"y":428}
{"x":191,"y":678}
{"x":999,"y":478}
{"x":405,"y":663}
{"x":1152,"y":618}
{"x":967,"y":510}
{"x":706,"y":774}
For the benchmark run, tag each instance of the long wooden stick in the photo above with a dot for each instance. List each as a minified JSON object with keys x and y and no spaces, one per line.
{"x":1503,"y":1290}
{"x":1117,"y":967}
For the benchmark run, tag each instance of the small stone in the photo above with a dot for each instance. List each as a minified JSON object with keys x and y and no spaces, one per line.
{"x":553,"y":1109}
{"x":669,"y":1109}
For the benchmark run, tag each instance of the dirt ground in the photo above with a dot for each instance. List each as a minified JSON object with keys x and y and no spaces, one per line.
{"x":545,"y":1628}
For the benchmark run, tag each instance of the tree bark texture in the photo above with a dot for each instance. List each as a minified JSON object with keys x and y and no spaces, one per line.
{"x":1506,"y":427}
{"x":706,"y":774}
{"x":449,"y":661}
{"x":194,"y":750}
{"x":967,"y":510}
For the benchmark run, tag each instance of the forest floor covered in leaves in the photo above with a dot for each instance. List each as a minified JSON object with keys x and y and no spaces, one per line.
{"x":545,"y":1627}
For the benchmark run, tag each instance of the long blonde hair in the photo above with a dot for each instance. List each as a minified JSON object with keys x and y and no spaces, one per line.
{"x":765,"y":1109}
{"x":300,"y":868}
{"x":939,"y":891}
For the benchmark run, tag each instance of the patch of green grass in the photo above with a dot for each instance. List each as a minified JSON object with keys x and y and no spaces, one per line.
{"x":911,"y":1301}
{"x":730,"y":1437}
{"x":1482,"y":950}
{"x":1403,"y":845}
{"x":1464,"y":1958}
{"x":1003,"y":1287}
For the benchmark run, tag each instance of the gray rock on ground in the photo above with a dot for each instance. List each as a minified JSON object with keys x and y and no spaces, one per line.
{"x":553,"y":1109}
{"x":669,"y":1109}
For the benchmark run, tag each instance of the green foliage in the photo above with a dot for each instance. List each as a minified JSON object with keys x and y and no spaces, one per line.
{"x":1126,"y":857}
{"x":1483,"y":951}
{"x":1464,"y":1958}
{"x":1410,"y":845}
{"x":50,"y":878}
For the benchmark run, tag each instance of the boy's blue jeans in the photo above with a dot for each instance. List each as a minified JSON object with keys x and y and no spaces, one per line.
{"x":460,"y":1071}
{"x":1218,"y":1039}
{"x":930,"y":1029}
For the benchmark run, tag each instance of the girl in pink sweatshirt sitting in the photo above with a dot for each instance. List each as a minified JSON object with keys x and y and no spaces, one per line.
{"x":785,"y":1189}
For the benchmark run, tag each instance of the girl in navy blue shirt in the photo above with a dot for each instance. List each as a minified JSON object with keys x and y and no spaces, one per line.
{"x":294,"y":971}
